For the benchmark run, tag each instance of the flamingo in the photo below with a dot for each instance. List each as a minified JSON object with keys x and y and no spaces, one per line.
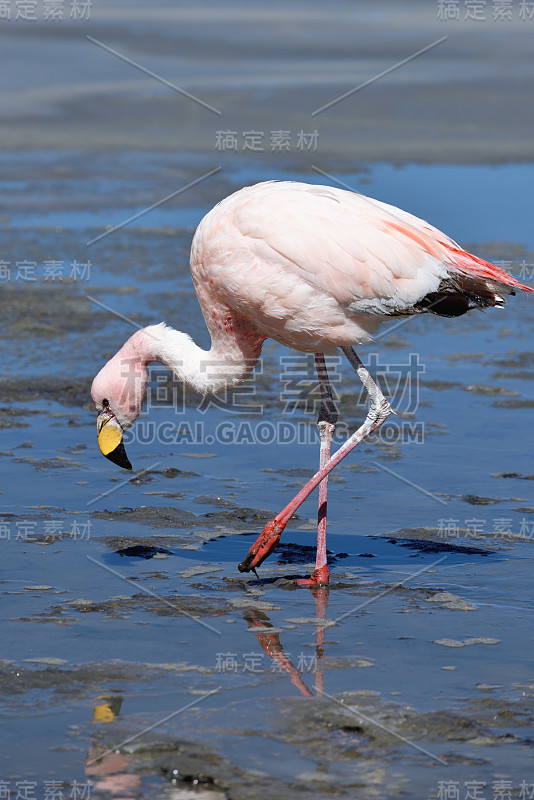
{"x":317,"y":269}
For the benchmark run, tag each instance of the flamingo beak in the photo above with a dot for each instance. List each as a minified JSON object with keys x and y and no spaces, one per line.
{"x":109,"y":434}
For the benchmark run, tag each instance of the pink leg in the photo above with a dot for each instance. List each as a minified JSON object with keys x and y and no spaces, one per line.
{"x":327,"y":424}
{"x":378,"y":412}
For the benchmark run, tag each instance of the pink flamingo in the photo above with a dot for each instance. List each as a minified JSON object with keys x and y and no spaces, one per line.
{"x":315,"y":268}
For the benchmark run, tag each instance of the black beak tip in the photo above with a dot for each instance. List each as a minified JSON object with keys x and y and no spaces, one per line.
{"x":119,"y":457}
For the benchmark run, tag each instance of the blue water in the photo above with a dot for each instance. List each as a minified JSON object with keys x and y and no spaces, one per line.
{"x":474,"y":203}
{"x":476,"y":424}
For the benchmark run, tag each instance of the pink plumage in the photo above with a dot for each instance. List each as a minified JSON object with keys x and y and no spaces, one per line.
{"x":315,"y":268}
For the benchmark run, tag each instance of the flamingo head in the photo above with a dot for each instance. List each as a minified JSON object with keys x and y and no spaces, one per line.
{"x":118,"y":392}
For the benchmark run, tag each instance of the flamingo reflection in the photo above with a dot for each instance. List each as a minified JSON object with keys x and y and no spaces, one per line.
{"x":272,"y":646}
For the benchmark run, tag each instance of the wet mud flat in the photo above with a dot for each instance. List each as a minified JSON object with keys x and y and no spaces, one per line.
{"x":226,"y":674}
{"x":274,"y":68}
{"x":137,"y":659}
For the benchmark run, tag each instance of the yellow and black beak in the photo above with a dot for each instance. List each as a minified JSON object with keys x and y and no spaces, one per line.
{"x":109,"y":434}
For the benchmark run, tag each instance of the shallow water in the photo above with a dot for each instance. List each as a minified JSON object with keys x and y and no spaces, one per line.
{"x":121,"y":596}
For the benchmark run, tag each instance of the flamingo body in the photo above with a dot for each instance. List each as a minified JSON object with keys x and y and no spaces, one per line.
{"x":317,"y":268}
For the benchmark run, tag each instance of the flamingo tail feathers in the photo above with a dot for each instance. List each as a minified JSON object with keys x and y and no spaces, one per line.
{"x":471,"y":283}
{"x":475,"y":267}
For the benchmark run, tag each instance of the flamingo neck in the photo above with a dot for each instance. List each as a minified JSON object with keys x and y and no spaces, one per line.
{"x":227,"y":363}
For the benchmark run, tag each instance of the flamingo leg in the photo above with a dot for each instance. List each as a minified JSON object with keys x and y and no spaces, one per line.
{"x":326,"y":423}
{"x":379,"y":411}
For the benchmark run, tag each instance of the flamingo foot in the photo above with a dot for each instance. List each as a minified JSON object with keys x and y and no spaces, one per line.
{"x":263,"y":546}
{"x":319,"y":577}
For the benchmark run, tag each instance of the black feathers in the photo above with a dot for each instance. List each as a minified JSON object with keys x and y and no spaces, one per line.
{"x":460,"y":293}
